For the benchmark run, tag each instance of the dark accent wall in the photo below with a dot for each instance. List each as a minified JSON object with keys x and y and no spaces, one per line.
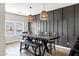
{"x":63,"y":22}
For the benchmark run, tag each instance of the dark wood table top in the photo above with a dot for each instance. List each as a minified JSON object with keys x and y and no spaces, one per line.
{"x":46,"y":37}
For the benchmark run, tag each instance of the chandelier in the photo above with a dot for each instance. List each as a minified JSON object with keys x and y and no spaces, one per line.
{"x":44,"y":14}
{"x":30,"y":17}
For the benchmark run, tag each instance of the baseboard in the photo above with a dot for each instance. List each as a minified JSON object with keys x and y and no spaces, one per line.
{"x":11,"y":42}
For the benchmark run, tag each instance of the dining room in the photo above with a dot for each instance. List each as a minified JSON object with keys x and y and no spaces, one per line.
{"x":41,"y":29}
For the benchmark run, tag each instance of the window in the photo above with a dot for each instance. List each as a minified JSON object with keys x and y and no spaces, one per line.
{"x":13,"y":28}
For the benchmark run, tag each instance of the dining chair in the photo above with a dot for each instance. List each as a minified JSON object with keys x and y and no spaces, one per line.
{"x":23,"y":45}
{"x":51,"y":43}
{"x":75,"y":49}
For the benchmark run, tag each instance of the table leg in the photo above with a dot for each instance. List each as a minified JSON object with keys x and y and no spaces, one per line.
{"x":54,"y":46}
{"x":43,"y":52}
{"x":39,"y":51}
{"x":26,"y":46}
{"x":45,"y":47}
{"x":45,"y":43}
{"x":50,"y":48}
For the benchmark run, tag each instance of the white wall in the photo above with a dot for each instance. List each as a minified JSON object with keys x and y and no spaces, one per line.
{"x":18,"y":18}
{"x":2,"y":29}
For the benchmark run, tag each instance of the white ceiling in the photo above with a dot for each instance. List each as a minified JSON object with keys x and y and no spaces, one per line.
{"x":23,"y":8}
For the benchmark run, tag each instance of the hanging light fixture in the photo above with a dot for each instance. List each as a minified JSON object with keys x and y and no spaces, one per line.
{"x":44,"y":14}
{"x":30,"y":17}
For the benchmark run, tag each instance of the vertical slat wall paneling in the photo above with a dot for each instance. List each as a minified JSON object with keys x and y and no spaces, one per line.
{"x":48,"y":24}
{"x":44,"y":24}
{"x":55,"y":23}
{"x":52,"y":22}
{"x":58,"y":20}
{"x":38,"y":22}
{"x":59,"y":24}
{"x":67,"y":31}
{"x":29,"y":26}
{"x":41,"y":25}
{"x":72,"y":37}
{"x":74,"y":22}
{"x":35,"y":23}
{"x":49,"y":19}
{"x":50,"y":15}
{"x":74,"y":34}
{"x":69,"y":14}
{"x":57,"y":31}
{"x":61,"y":33}
{"x":62,"y":22}
{"x":77,"y":20}
{"x":64,"y":43}
{"x":32,"y":27}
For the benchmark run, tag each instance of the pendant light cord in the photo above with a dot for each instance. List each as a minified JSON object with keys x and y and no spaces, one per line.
{"x":44,"y":6}
{"x":30,"y":9}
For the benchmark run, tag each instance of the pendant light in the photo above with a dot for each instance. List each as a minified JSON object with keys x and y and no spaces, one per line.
{"x":44,"y":14}
{"x":30,"y":17}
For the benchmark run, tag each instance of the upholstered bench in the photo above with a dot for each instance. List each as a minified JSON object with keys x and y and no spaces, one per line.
{"x":34,"y":46}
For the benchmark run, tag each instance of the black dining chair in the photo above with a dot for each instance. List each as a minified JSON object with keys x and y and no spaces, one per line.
{"x":51,"y":43}
{"x":75,"y":50}
{"x":23,"y":45}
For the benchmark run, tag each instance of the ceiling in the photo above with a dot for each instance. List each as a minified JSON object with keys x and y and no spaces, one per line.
{"x":23,"y":8}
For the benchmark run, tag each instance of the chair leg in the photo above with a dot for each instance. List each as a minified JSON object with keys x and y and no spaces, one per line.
{"x":39,"y":51}
{"x":26,"y":46}
{"x":50,"y":48}
{"x":54,"y":46}
{"x":20,"y":46}
{"x":35,"y":51}
{"x":43,"y":51}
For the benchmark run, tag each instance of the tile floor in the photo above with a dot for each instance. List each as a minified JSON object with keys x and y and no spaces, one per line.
{"x":13,"y":50}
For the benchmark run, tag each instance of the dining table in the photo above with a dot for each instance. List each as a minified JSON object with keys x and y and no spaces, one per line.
{"x":44,"y":38}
